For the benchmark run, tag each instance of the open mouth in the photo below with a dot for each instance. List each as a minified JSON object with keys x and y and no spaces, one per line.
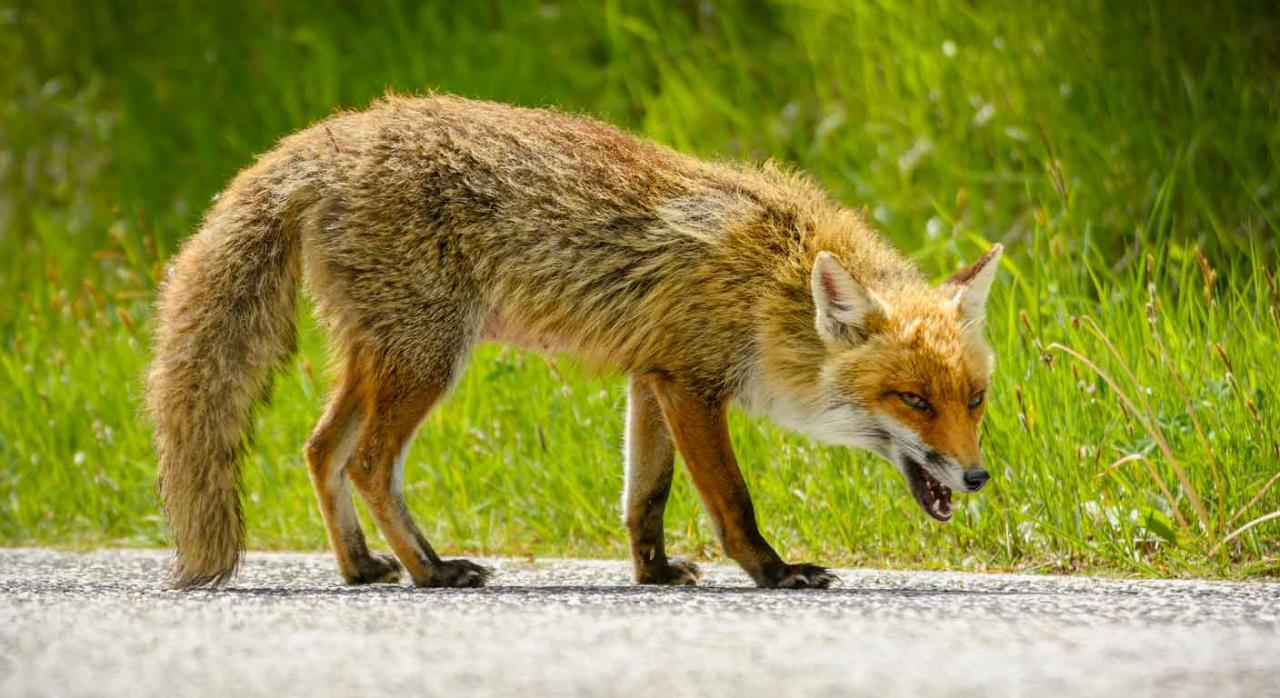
{"x":934,"y":497}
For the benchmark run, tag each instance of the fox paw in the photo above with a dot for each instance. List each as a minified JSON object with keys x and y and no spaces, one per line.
{"x":674,"y":572}
{"x":376,"y":568}
{"x":457,"y":573}
{"x":801,"y":576}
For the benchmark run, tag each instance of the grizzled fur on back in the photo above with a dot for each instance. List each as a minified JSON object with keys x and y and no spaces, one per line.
{"x":567,"y":234}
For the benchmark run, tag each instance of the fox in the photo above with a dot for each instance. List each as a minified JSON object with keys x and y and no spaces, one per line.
{"x":426,"y":225}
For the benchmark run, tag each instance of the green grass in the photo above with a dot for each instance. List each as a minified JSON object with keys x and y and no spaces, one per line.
{"x":1125,"y":153}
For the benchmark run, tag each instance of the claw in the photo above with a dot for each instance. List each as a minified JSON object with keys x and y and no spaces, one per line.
{"x":802,"y":576}
{"x":458,"y":574}
{"x":674,"y":572}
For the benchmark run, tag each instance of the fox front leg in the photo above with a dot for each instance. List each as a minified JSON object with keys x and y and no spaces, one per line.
{"x":650,"y":456}
{"x":700,"y":430}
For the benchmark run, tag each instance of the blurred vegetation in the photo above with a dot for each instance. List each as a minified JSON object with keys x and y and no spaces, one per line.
{"x":1124,"y":152}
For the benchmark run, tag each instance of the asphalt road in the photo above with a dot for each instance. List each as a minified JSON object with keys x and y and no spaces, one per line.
{"x":99,"y":624}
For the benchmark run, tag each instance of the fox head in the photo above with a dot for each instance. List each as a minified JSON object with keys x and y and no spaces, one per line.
{"x":906,"y":374}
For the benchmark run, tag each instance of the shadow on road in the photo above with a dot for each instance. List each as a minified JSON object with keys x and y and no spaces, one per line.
{"x":609,"y":592}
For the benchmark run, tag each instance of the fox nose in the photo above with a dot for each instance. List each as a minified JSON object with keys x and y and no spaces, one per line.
{"x":975,"y":479}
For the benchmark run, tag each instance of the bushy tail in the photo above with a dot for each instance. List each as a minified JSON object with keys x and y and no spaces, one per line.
{"x":224,"y":323}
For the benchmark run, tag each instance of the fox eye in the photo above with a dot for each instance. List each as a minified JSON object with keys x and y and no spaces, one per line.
{"x":914,"y":401}
{"x":976,"y":401}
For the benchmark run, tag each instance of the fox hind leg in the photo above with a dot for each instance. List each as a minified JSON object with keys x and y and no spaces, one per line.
{"x":328,"y":453}
{"x":396,"y":399}
{"x":650,"y":459}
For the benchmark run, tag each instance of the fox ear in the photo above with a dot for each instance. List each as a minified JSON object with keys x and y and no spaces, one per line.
{"x":844,"y":306}
{"x":974,"y":283}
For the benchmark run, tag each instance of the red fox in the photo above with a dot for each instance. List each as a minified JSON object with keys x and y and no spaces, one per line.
{"x":424,"y":226}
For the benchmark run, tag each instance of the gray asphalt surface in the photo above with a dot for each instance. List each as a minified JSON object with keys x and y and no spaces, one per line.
{"x":99,"y":624}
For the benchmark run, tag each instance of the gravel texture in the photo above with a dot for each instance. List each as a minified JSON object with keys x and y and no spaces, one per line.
{"x":100,"y":624}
